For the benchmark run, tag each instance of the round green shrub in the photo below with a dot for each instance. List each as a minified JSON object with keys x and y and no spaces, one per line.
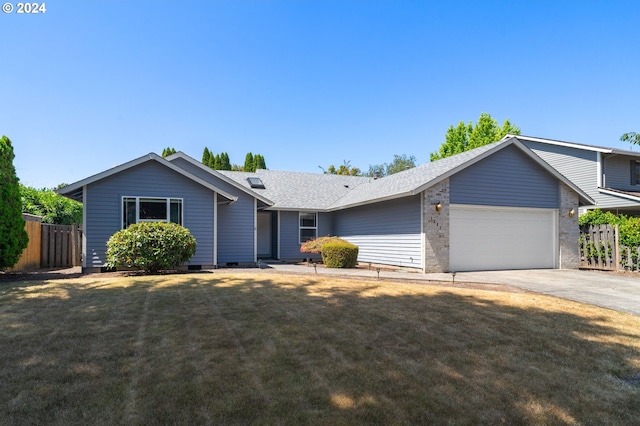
{"x":150,"y":246}
{"x":315,"y":246}
{"x":339,"y":255}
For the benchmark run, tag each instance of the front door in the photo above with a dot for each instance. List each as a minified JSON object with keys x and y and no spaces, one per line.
{"x":264,"y":235}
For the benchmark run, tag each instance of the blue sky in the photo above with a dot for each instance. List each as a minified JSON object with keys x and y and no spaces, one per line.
{"x":92,"y":84}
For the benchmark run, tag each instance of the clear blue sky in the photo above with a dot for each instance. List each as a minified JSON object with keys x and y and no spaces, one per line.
{"x":92,"y":84}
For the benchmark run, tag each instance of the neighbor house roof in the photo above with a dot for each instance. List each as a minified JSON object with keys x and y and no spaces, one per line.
{"x":576,"y":145}
{"x":75,"y":190}
{"x":630,"y":195}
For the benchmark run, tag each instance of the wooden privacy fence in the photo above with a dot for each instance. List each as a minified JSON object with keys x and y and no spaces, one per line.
{"x":61,"y":246}
{"x":600,"y":248}
{"x":50,"y":246}
{"x":30,"y":258}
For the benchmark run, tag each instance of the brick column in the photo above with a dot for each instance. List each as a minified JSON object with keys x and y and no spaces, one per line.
{"x":436,"y":228}
{"x":568,"y":229}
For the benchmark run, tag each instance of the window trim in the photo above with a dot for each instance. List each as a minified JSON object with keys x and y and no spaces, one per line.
{"x":300,"y":227}
{"x":137,"y":199}
{"x":635,"y":172}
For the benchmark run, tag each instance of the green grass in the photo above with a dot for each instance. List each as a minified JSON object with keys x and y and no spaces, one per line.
{"x":276,"y":349}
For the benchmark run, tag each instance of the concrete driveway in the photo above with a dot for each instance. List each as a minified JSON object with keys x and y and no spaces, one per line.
{"x":607,"y":290}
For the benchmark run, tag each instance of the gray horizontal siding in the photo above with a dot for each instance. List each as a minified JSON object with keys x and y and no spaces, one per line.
{"x":290,"y":235}
{"x":617,"y":174}
{"x":236,"y":221}
{"x":507,"y":178}
{"x":103,"y":206}
{"x":289,"y":239}
{"x":388,"y":233}
{"x":578,"y":165}
{"x":236,"y":234}
{"x":617,"y":171}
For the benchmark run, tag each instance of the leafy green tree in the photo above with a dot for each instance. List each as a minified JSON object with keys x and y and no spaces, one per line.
{"x":399,"y":164}
{"x":631,"y":137}
{"x":13,"y":236}
{"x":53,"y":208}
{"x":168,"y":151}
{"x":464,"y":137}
{"x":345,"y":169}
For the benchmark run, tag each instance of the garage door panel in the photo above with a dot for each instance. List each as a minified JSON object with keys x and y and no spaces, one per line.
{"x":486,"y":238}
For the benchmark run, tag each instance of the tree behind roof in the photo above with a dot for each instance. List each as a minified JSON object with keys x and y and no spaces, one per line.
{"x":464,"y":137}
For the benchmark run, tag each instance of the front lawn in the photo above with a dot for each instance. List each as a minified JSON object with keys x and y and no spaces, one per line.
{"x":264,"y":348}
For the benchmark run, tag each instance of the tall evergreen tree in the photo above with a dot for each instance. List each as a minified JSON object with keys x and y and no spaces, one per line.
{"x":205,"y":156}
{"x":225,"y":163}
{"x":13,"y":236}
{"x":249,"y":166}
{"x":258,"y":162}
{"x":168,"y":151}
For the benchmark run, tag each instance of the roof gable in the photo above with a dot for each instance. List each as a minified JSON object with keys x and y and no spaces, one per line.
{"x":218,"y":175}
{"x":415,"y":180}
{"x":75,"y":190}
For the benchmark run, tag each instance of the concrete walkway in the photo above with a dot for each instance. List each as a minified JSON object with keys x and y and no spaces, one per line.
{"x":607,"y":290}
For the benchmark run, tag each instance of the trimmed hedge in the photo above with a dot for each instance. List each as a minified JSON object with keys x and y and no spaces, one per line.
{"x":315,"y":246}
{"x":150,"y":246}
{"x":339,"y":255}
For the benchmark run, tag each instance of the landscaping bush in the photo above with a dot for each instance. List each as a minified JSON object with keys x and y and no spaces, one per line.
{"x":150,"y":246}
{"x":315,"y":246}
{"x":339,"y":255}
{"x":629,"y":227}
{"x":629,"y":231}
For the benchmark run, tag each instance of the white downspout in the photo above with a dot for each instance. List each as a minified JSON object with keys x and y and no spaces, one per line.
{"x":215,"y":230}
{"x":599,"y":169}
{"x":255,"y":230}
{"x":84,"y":227}
{"x":423,"y":235}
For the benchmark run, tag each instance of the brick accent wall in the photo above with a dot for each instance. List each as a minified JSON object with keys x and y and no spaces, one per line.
{"x":436,"y":228}
{"x":568,"y":229}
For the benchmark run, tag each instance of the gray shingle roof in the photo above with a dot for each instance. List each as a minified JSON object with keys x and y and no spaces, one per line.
{"x":412,"y":181}
{"x":315,"y":191}
{"x":299,"y":190}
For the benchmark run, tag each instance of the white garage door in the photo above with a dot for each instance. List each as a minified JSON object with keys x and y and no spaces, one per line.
{"x":491,"y":238}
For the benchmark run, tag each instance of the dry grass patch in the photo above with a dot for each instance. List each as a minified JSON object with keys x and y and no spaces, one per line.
{"x":267,"y":348}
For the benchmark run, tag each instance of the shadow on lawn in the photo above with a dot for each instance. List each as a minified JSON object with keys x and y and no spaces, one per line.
{"x":210,"y":349}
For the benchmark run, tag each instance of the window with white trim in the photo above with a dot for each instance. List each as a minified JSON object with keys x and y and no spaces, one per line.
{"x":151,"y":209}
{"x":635,"y":172}
{"x":308,"y":226}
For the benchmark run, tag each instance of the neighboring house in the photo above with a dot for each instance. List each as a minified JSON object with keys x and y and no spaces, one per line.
{"x":610,"y":176}
{"x":495,"y":207}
